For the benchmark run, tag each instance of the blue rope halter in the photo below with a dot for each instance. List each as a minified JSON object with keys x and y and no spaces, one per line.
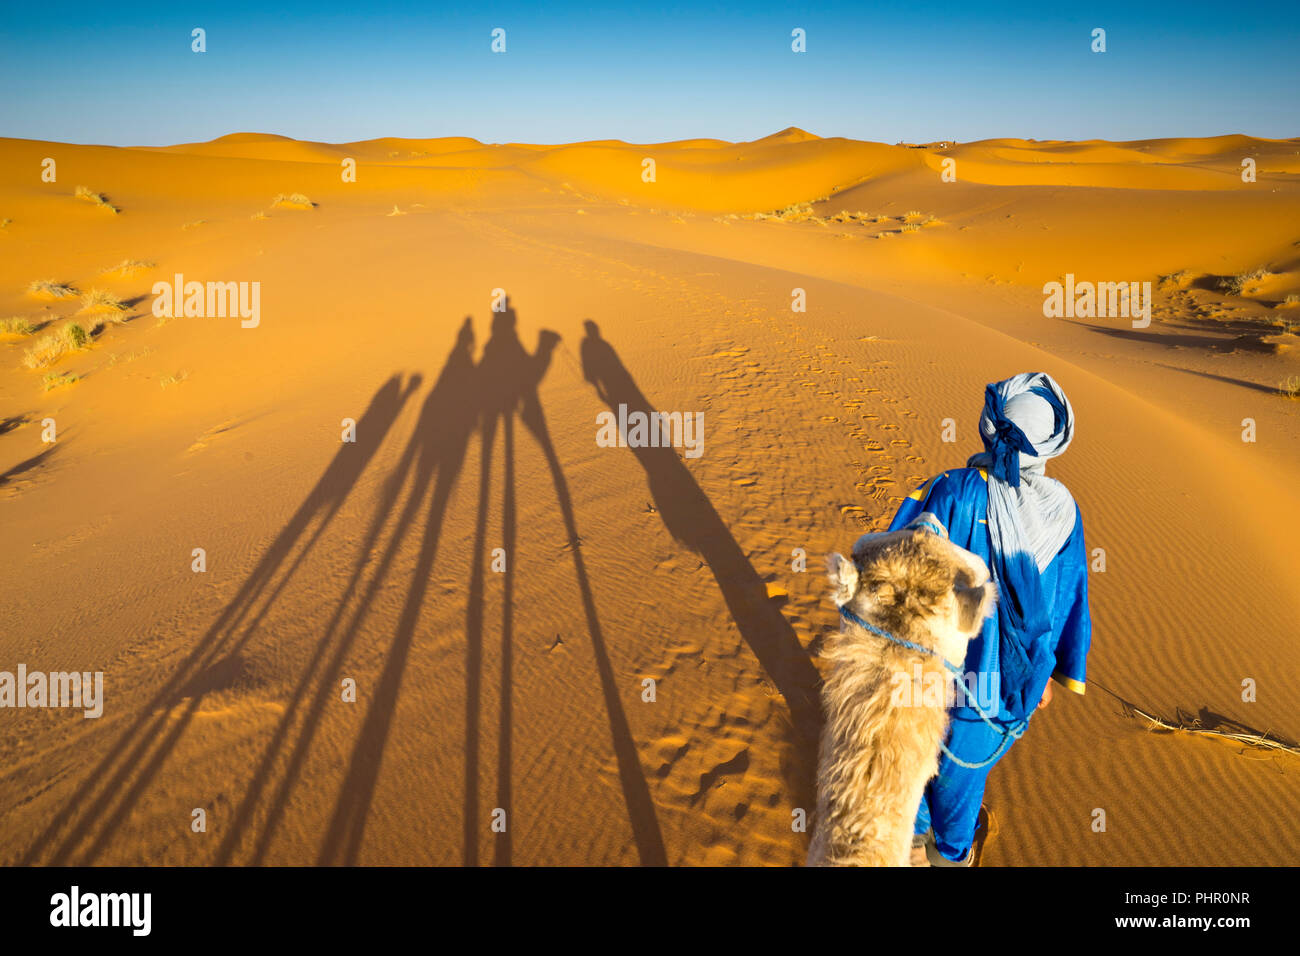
{"x":1009,"y":734}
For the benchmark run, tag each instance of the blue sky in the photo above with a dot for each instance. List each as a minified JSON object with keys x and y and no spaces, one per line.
{"x":124,"y":73}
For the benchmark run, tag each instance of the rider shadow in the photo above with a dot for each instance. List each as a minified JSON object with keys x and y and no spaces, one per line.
{"x":691,"y":519}
{"x":429,"y":464}
{"x":105,"y":798}
{"x":443,"y":434}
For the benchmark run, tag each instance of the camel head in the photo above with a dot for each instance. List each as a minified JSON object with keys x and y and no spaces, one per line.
{"x":917,"y":585}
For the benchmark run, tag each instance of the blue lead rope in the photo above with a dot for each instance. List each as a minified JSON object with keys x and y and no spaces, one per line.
{"x":1010,"y":734}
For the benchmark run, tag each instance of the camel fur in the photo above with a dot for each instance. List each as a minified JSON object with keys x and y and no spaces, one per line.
{"x":880,"y":742}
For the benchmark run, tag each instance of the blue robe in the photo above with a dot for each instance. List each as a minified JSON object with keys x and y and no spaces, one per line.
{"x":959,"y":499}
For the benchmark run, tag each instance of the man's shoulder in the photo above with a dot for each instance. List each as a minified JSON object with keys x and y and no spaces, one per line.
{"x":954,"y":481}
{"x":967,"y":475}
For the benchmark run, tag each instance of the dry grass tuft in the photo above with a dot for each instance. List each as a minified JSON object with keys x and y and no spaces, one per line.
{"x":128,"y":268}
{"x":96,"y":199}
{"x":52,"y":346}
{"x":795,"y":212}
{"x":55,"y":379}
{"x":49,"y":289}
{"x":99,"y":302}
{"x":1174,"y":280}
{"x":16,"y":325}
{"x":1236,"y":285}
{"x":1290,"y":387}
{"x":293,"y":201}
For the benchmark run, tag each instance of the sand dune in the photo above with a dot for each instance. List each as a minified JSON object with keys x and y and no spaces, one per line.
{"x":522,"y":689}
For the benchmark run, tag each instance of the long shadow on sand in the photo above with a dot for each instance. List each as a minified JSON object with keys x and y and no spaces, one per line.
{"x":690,"y":518}
{"x":1175,"y":336}
{"x":103,"y":800}
{"x":1253,"y":386}
{"x":487,"y":396}
{"x":430,"y":464}
{"x":511,"y":376}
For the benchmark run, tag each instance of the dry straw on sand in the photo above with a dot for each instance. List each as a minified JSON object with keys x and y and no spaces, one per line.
{"x":1187,"y":724}
{"x":1236,"y":285}
{"x":293,"y":201}
{"x":52,"y":346}
{"x":127,"y":268}
{"x":49,"y":289}
{"x":96,"y":199}
{"x":17,"y":325}
{"x":99,"y":302}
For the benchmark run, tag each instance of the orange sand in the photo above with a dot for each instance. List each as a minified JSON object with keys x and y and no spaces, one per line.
{"x":522,"y":690}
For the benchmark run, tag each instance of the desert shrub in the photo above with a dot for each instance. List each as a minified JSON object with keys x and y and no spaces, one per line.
{"x":128,"y":267}
{"x":1236,"y":285}
{"x":16,"y":325}
{"x":293,"y":201}
{"x":98,"y":301}
{"x":96,"y":199}
{"x":55,"y":379}
{"x":49,"y":289}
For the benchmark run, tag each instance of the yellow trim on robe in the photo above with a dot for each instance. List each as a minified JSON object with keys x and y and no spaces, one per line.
{"x":1070,"y":683}
{"x":920,"y":493}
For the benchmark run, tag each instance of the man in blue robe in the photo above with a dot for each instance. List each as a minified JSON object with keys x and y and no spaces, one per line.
{"x":1029,"y":531}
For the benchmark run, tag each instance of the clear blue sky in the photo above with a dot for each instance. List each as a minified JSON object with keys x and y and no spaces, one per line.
{"x":123,"y":73}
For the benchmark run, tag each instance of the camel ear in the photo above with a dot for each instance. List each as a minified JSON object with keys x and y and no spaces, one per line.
{"x":844,"y":578}
{"x":974,"y":605}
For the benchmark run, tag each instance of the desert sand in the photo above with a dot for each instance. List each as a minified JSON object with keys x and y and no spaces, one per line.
{"x":521,"y":688}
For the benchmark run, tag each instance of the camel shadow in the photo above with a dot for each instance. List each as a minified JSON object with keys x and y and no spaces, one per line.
{"x":468,"y":397}
{"x":511,"y":376}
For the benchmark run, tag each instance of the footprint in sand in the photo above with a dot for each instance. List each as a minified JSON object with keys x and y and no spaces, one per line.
{"x":717,"y":775}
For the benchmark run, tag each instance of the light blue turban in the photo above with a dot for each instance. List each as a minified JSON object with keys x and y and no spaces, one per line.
{"x":1026,"y":420}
